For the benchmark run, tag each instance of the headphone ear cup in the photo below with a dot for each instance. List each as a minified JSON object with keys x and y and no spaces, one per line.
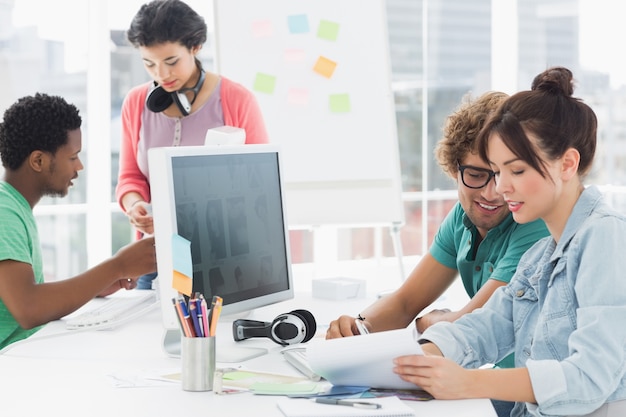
{"x":311,"y":325}
{"x":182,"y":103}
{"x":158,"y":99}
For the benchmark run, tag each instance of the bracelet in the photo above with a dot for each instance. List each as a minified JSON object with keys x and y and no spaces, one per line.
{"x":360,"y":317}
{"x":135,"y":202}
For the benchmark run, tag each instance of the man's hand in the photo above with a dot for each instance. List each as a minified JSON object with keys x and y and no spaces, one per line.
{"x":126,"y":283}
{"x":342,"y":327}
{"x":434,"y":316}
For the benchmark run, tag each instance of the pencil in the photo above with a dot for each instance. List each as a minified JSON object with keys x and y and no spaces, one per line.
{"x":216,"y":309}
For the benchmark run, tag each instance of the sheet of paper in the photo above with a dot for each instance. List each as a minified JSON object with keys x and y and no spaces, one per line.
{"x":364,"y":360}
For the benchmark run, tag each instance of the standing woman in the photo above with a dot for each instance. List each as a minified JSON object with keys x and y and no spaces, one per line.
{"x":178,"y":107}
{"x":563,"y":311}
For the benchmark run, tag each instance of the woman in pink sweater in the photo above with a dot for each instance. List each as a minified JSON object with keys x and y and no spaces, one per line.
{"x":178,"y":107}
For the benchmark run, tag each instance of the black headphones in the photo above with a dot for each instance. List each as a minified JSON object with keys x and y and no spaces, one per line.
{"x":297,"y":326}
{"x":158,"y":99}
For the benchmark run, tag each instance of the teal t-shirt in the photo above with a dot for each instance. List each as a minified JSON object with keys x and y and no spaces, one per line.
{"x":496,"y":257}
{"x":19,"y":241}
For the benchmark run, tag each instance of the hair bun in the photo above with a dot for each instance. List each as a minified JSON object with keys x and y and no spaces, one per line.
{"x":555,"y":80}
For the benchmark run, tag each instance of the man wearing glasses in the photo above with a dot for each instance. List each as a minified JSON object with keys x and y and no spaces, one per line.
{"x":478,"y":239}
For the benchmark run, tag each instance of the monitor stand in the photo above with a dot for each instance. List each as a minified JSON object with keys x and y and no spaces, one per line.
{"x":171,"y":346}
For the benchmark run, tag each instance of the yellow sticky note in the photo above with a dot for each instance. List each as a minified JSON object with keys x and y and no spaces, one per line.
{"x":325,"y":67}
{"x":339,"y":103}
{"x":328,"y":30}
{"x":264,"y":83}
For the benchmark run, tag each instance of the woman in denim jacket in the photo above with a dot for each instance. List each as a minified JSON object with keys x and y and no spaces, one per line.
{"x":562,"y":313}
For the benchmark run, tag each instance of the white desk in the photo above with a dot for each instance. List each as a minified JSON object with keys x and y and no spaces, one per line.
{"x":68,"y":374}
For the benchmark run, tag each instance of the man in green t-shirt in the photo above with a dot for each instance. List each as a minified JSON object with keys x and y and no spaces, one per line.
{"x":478,"y":239}
{"x":40,"y":139}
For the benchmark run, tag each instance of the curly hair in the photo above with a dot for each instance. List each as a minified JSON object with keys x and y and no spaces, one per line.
{"x":39,"y":122}
{"x":162,"y":21}
{"x":461,"y":129}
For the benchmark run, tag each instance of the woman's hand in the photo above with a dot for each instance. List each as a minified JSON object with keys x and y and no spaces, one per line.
{"x":440,"y":377}
{"x":140,"y":216}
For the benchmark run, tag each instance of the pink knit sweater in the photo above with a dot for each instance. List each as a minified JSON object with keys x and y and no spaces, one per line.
{"x":240,"y":110}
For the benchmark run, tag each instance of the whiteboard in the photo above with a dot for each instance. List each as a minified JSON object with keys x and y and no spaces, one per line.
{"x":321,"y":73}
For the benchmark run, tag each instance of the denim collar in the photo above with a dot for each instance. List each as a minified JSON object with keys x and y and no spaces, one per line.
{"x":587,"y":202}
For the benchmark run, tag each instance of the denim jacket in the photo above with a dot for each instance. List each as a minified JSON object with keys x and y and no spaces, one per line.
{"x":563,"y":314}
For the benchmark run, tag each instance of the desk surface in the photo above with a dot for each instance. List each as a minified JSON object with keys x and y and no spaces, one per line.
{"x":58,"y":371}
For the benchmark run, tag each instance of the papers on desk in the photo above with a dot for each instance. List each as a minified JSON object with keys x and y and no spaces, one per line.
{"x":365,"y":360}
{"x":390,"y":407}
{"x":264,"y":383}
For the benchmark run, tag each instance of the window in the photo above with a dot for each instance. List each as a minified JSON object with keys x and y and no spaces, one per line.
{"x":440,"y":50}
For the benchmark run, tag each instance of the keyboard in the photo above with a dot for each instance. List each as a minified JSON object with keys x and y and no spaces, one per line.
{"x":113,"y":311}
{"x":296,"y":357}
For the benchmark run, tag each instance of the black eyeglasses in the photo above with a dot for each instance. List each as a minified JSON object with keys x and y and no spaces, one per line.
{"x":474,"y":177}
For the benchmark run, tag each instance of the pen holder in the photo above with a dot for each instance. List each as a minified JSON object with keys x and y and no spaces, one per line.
{"x":198,"y":363}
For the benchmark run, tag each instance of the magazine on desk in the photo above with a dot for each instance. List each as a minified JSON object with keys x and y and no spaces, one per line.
{"x":365,"y":360}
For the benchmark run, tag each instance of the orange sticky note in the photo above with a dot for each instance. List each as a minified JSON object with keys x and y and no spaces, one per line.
{"x":182,"y":283}
{"x":325,"y":67}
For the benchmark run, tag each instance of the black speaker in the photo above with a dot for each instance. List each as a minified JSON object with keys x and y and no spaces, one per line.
{"x":297,"y":326}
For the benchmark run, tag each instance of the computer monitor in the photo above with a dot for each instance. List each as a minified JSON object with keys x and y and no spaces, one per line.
{"x":228,"y":202}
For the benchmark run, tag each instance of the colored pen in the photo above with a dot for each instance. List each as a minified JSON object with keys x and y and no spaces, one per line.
{"x":186,"y":317}
{"x":200,"y":316}
{"x":356,"y":404}
{"x":193,"y":313}
{"x":181,"y":317}
{"x":216,"y":309}
{"x":205,"y":316}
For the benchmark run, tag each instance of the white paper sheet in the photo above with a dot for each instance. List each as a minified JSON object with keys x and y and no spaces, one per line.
{"x":365,"y":360}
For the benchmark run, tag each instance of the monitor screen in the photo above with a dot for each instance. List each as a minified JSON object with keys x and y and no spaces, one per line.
{"x":228,"y":202}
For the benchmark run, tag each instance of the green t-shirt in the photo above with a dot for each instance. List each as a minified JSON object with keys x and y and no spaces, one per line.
{"x":19,"y":241}
{"x":496,"y":257}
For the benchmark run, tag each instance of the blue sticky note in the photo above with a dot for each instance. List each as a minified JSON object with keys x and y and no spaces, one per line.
{"x":298,"y":23}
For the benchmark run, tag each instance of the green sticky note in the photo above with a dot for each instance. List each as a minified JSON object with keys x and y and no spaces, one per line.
{"x":339,"y":103}
{"x":328,"y":30}
{"x":264,"y":83}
